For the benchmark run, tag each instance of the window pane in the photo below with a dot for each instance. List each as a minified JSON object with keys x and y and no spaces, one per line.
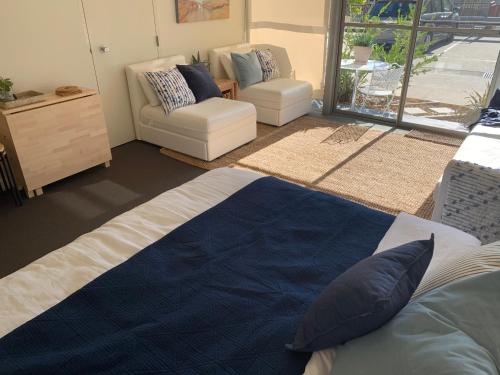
{"x":461,"y":14}
{"x":451,"y":82}
{"x":372,"y":87}
{"x":380,"y":11}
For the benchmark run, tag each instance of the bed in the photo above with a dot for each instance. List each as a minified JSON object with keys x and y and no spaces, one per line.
{"x":232,"y":315}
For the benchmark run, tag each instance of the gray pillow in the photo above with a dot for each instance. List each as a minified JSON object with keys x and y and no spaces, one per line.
{"x":247,"y":68}
{"x":452,"y":330}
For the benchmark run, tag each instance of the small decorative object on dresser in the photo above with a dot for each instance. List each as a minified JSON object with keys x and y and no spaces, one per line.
{"x":68,"y":90}
{"x":54,"y":139}
{"x":228,"y":87}
{"x":6,"y":93}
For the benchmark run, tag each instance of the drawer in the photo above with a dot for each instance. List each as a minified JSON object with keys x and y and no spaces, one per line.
{"x":59,"y":140}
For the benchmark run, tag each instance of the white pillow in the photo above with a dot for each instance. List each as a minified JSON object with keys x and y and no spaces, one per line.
{"x":148,"y":90}
{"x":449,"y":243}
{"x":407,"y":228}
{"x":227,"y":61}
{"x":459,"y":264}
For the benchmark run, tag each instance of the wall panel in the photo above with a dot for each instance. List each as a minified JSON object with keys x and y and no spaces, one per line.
{"x":44,"y":44}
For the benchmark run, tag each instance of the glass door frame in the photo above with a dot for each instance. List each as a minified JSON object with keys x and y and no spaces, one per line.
{"x":335,"y":41}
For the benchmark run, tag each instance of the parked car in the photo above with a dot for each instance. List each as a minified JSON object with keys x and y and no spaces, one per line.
{"x":434,"y":13}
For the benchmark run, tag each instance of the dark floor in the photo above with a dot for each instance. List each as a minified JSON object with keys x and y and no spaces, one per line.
{"x":81,"y":203}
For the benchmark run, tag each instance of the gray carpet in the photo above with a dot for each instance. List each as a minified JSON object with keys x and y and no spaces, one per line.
{"x":81,"y":203}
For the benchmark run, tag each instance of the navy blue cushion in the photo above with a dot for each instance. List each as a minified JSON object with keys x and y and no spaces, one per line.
{"x":364,"y":298}
{"x":200,"y":82}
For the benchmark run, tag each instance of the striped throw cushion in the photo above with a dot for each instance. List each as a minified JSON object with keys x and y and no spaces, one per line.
{"x":270,"y":67}
{"x":171,"y":88}
{"x":460,"y":264}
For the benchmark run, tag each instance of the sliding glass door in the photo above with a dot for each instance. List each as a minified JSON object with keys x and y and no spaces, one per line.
{"x":429,"y":63}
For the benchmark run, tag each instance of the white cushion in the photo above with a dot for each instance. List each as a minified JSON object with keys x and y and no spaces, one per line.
{"x":488,"y":131}
{"x":407,"y":228}
{"x":461,"y":263}
{"x":148,"y":90}
{"x":447,"y":240}
{"x":227,"y":63}
{"x":277,"y":93}
{"x":201,"y":120}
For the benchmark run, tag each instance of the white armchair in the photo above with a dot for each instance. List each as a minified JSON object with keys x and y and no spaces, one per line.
{"x":277,"y":101}
{"x":204,"y":130}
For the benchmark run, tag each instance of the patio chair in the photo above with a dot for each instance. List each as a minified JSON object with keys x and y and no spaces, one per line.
{"x":383,"y":84}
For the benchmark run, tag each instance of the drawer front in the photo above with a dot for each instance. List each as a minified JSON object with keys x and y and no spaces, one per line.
{"x":57,"y":141}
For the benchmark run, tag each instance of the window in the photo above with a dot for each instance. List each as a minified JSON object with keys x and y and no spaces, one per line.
{"x":447,"y":6}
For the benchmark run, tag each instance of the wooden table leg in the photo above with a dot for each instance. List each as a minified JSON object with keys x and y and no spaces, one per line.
{"x":29,"y":193}
{"x":39,"y":192}
{"x":235,"y":91}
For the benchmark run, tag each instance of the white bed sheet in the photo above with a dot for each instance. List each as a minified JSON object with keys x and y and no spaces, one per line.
{"x":44,"y":283}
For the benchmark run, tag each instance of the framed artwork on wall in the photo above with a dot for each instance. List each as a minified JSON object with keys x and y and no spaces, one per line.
{"x":201,"y":10}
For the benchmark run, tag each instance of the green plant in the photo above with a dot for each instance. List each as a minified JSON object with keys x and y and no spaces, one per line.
{"x":5,"y":85}
{"x":397,"y":52}
{"x":477,"y":101}
{"x":363,"y":39}
{"x":196,"y":59}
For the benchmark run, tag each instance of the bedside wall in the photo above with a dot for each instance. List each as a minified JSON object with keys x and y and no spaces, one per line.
{"x":48,"y":43}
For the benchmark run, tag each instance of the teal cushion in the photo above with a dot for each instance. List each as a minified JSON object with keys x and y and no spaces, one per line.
{"x":452,"y":330}
{"x":246,"y":68}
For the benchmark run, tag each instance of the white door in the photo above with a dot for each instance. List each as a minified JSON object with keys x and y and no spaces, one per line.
{"x":121,"y":32}
{"x":44,"y":45}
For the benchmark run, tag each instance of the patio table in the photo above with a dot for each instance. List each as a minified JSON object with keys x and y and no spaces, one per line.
{"x":357,"y":67}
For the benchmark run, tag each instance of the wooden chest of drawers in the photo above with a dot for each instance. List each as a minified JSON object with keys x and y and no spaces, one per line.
{"x":54,"y":139}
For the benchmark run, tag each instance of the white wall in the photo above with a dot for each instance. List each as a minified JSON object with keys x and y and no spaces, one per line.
{"x":298,"y":28}
{"x":45,"y":44}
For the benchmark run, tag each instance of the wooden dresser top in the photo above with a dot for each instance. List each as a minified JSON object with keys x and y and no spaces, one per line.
{"x":49,"y":99}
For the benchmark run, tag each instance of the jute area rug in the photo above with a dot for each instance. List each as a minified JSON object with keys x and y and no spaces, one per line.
{"x":381,"y":169}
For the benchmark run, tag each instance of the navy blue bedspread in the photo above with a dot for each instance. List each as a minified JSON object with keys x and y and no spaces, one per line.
{"x":221,"y":294}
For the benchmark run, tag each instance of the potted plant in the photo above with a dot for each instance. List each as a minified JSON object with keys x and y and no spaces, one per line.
{"x":6,"y":94}
{"x":362,"y":46}
{"x":198,"y":60}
